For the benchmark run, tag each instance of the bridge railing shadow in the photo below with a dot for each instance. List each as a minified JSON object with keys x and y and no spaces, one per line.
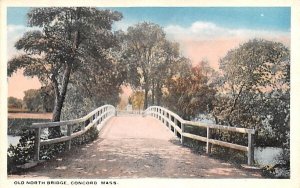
{"x":177,"y":125}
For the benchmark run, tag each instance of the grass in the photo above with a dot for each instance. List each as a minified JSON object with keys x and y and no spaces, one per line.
{"x":17,"y":110}
{"x":21,"y":113}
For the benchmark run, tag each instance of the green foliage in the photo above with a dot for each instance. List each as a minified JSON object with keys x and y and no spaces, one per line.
{"x":24,"y":151}
{"x":39,"y":100}
{"x":33,"y":100}
{"x":89,"y":136}
{"x":68,"y":38}
{"x":228,"y":154}
{"x":48,"y":98}
{"x":254,"y":90}
{"x":190,"y":94}
{"x":14,"y":102}
{"x":268,"y":171}
{"x":137,"y":100}
{"x":150,"y":59}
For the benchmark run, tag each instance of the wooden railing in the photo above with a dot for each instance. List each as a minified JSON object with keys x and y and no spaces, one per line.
{"x":94,"y":118}
{"x":177,"y":124}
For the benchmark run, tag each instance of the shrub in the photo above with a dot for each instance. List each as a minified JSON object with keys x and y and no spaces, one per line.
{"x":24,"y":151}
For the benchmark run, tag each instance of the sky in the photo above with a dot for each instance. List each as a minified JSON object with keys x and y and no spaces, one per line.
{"x":204,"y":33}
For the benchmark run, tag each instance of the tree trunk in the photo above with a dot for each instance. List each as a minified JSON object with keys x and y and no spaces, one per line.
{"x":158,"y":94}
{"x":59,"y":101}
{"x":146,"y":98}
{"x":152,"y":93}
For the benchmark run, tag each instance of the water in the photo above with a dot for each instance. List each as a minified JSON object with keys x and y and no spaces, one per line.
{"x":262,"y":155}
{"x":13,"y":140}
{"x":266,"y":155}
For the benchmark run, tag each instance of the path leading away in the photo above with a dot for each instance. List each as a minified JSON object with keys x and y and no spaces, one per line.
{"x":135,"y":147}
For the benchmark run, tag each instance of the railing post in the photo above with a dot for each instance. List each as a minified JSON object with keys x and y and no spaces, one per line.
{"x":69,"y":132}
{"x":250,"y":148}
{"x":175,"y":124}
{"x":182,"y":131}
{"x":37,"y":143}
{"x":170,"y":119}
{"x":208,"y":145}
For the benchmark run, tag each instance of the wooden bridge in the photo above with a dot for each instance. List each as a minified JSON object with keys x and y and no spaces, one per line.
{"x":130,"y":145}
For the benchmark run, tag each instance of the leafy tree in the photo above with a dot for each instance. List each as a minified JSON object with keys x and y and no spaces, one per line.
{"x":143,"y":44}
{"x":33,"y":100}
{"x":151,"y":60}
{"x":48,"y":98}
{"x":14,"y":102}
{"x":137,"y":100}
{"x":67,"y":37}
{"x":254,"y":90}
{"x":165,"y":68}
{"x":190,"y":94}
{"x":93,"y":87}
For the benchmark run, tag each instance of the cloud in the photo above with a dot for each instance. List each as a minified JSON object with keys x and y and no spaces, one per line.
{"x":124,"y":24}
{"x":14,"y":33}
{"x":208,"y":41}
{"x":210,"y":31}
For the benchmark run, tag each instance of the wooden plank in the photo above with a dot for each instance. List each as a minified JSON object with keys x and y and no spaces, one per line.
{"x":229,"y":145}
{"x":37,"y":144}
{"x":55,"y":124}
{"x":196,"y":137}
{"x":232,"y":129}
{"x":170,"y":123}
{"x":196,"y":124}
{"x":250,"y":153}
{"x":181,"y":135}
{"x":200,"y":124}
{"x":220,"y":127}
{"x":66,"y":138}
{"x":208,"y":144}
{"x":69,"y":132}
{"x":171,"y":113}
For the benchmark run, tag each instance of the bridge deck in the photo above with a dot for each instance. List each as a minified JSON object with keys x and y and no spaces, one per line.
{"x":136,"y":147}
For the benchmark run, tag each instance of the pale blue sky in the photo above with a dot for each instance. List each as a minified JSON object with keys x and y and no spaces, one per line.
{"x":262,"y":18}
{"x":203,"y":33}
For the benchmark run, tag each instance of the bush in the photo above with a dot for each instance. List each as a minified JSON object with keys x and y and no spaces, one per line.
{"x":24,"y":151}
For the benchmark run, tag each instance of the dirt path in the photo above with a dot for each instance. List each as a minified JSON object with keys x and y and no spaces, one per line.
{"x":135,"y":147}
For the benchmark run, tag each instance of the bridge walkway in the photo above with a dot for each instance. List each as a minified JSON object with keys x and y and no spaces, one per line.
{"x":135,"y":147}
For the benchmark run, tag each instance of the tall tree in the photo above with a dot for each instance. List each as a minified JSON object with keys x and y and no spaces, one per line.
{"x":33,"y":100}
{"x":67,"y":37}
{"x":143,"y":47}
{"x":165,"y":68}
{"x":190,"y":94}
{"x":254,"y":89}
{"x":14,"y":102}
{"x":137,"y":100}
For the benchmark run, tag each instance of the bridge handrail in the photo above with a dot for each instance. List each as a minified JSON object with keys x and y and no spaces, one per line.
{"x":94,"y":118}
{"x":67,"y":122}
{"x":166,"y":115}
